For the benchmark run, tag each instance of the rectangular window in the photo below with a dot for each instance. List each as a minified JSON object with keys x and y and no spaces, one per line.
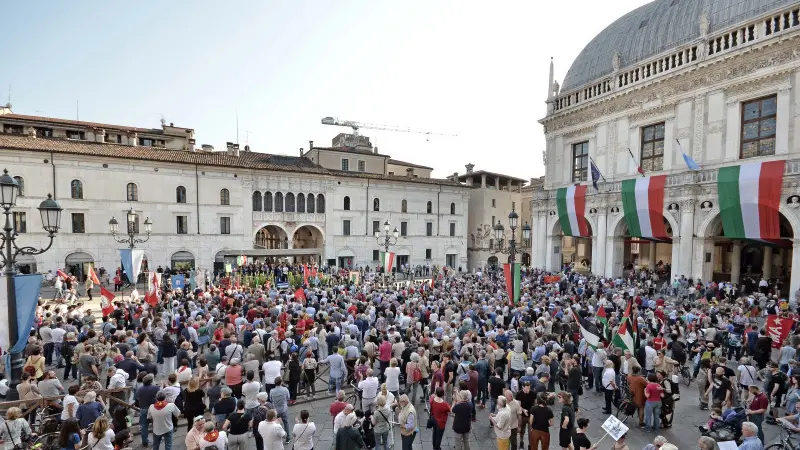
{"x":345,"y":164}
{"x":403,"y":228}
{"x":452,"y":229}
{"x":652,"y":157}
{"x":362,"y":166}
{"x":182,"y":223}
{"x":13,"y":129}
{"x":429,"y":229}
{"x":493,"y":221}
{"x":758,"y":127}
{"x":78,"y":224}
{"x":346,"y":227}
{"x":44,"y":132}
{"x":514,"y":205}
{"x":451,"y":260}
{"x":376,"y":226}
{"x":494,"y":203}
{"x":428,"y":253}
{"x":376,"y":255}
{"x":225,"y":225}
{"x":580,"y":161}
{"x":20,"y":222}
{"x":78,"y":135}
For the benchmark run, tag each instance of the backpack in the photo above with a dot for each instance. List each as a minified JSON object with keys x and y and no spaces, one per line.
{"x":416,"y":374}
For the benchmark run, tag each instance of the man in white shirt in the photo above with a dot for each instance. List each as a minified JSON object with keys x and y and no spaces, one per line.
{"x":57,"y":334}
{"x":338,"y":421}
{"x":598,"y":362}
{"x":272,"y":370}
{"x":162,"y":413}
{"x":649,"y":357}
{"x":271,"y":431}
{"x":369,"y":390}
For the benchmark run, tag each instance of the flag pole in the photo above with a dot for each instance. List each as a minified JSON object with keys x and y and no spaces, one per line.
{"x":634,"y":161}
{"x":598,"y":170}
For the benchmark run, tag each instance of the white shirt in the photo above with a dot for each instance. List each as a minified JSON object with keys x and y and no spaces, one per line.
{"x":304,"y":435}
{"x":58,"y":336}
{"x":105,"y":442}
{"x":649,"y":357}
{"x":338,"y":421}
{"x":272,"y":433}
{"x":608,"y":378}
{"x":69,"y":400}
{"x":369,"y":388}
{"x":272,"y":370}
{"x":220,"y":443}
{"x":599,"y":358}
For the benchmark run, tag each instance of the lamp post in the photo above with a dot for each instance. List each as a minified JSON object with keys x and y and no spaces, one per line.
{"x":511,"y":249}
{"x":50,"y":213}
{"x":386,"y":240}
{"x":131,"y":239}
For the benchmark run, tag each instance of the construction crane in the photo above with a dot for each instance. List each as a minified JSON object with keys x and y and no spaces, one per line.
{"x":373,"y":126}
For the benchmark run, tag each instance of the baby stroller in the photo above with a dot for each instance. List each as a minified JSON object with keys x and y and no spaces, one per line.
{"x":729,"y":428}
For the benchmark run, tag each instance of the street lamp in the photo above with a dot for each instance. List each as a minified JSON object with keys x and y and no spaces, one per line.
{"x":50,"y":213}
{"x":131,"y":239}
{"x":386,"y":240}
{"x":511,"y":249}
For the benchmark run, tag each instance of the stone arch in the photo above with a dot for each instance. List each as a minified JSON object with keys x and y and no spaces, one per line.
{"x":270,"y":235}
{"x":709,"y":223}
{"x":556,"y":228}
{"x":307,"y":236}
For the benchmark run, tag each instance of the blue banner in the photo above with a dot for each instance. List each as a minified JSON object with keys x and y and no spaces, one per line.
{"x":26,"y":293}
{"x":178,"y":282}
{"x":131,"y":263}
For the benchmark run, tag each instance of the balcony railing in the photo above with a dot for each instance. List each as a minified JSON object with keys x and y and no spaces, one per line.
{"x":288,"y":217}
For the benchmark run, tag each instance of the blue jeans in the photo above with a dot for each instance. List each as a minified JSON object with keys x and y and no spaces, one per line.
{"x":143,"y":425}
{"x":492,"y":405}
{"x":382,"y":441}
{"x":597,"y":375}
{"x":334,"y":382}
{"x":652,"y":415}
{"x":167,"y":437}
{"x":285,"y":418}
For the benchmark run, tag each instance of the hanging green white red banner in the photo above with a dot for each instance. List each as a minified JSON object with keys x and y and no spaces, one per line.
{"x":387,"y":261}
{"x":571,"y":206}
{"x":512,"y":279}
{"x":749,"y":198}
{"x":643,"y":206}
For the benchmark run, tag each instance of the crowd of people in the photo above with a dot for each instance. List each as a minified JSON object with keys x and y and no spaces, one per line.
{"x":231,"y":362}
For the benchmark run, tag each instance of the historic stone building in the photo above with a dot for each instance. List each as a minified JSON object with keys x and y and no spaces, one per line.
{"x":716,"y":80}
{"x":208,"y":206}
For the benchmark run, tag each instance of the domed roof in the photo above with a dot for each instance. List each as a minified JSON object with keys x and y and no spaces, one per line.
{"x":657,"y":27}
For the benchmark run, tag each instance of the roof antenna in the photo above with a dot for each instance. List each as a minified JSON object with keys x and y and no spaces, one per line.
{"x":237,"y":126}
{"x":9,"y":96}
{"x":78,"y":110}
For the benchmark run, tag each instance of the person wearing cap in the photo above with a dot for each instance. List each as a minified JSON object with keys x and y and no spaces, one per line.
{"x":195,"y":436}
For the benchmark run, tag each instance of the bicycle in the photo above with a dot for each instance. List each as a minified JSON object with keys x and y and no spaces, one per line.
{"x":686,"y":375}
{"x":787,"y":439}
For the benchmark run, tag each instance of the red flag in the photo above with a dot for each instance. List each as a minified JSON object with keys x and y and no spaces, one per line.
{"x":778,"y":329}
{"x":305,"y":274}
{"x":61,"y":274}
{"x":93,"y":276}
{"x":300,"y":294}
{"x":152,"y":295}
{"x":107,"y":301}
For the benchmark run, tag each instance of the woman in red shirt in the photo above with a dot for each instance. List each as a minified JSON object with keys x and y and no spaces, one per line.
{"x":652,"y":407}
{"x":440,"y":410}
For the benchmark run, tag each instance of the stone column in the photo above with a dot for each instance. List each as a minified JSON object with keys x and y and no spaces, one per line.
{"x":652,"y":252}
{"x":683,"y":266}
{"x":483,"y":180}
{"x":540,"y":253}
{"x":794,"y":282}
{"x":599,"y":258}
{"x":736,"y":261}
{"x":766,"y":268}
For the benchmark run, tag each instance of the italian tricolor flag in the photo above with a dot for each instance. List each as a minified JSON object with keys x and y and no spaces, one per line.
{"x":643,"y":205}
{"x":387,"y":261}
{"x":571,"y":205}
{"x":512,"y":279}
{"x":749,"y":198}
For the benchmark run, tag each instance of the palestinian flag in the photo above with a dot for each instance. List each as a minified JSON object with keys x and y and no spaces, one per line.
{"x":571,"y":205}
{"x":512,"y":280}
{"x":602,"y":317}
{"x":387,"y":261}
{"x":749,"y":197}
{"x":588,"y":330}
{"x":643,"y":205}
{"x":624,"y":337}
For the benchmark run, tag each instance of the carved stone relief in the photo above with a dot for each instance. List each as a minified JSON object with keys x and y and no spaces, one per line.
{"x":715,"y":127}
{"x":699,"y":116}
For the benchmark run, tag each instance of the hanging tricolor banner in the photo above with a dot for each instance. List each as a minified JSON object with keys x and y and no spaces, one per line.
{"x":515,"y":282}
{"x":571,"y":205}
{"x":643,"y":205}
{"x":749,"y":198}
{"x":387,"y":261}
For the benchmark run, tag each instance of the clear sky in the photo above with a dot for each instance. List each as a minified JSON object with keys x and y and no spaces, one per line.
{"x":475,"y":69}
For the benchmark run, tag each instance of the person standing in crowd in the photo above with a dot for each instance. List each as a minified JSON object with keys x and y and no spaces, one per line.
{"x":408,"y":422}
{"x":238,"y":425}
{"x":304,"y":431}
{"x":163,"y":414}
{"x":501,"y":423}
{"x":440,"y":411}
{"x":382,"y":424}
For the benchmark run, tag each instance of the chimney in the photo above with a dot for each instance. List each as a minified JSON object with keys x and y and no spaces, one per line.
{"x":172,"y":124}
{"x":236,"y":150}
{"x":133,"y":138}
{"x":409,"y":172}
{"x":455,"y":177}
{"x":301,"y":152}
{"x":32,"y":132}
{"x":470,"y":167}
{"x":207,"y":147}
{"x":310,"y":145}
{"x":100,"y":135}
{"x":375,"y":150}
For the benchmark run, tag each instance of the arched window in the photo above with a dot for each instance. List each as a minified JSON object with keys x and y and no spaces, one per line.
{"x":404,"y":206}
{"x":310,"y":203}
{"x":132,"y":192}
{"x":452,"y":208}
{"x":224,"y":197}
{"x":278,"y":202}
{"x":76,"y":189}
{"x":268,"y":201}
{"x":289,"y":202}
{"x":256,"y":201}
{"x":430,"y":207}
{"x":180,"y":194}
{"x":21,"y":183}
{"x":346,"y":205}
{"x":376,"y":204}
{"x":301,"y":203}
{"x":320,"y":203}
